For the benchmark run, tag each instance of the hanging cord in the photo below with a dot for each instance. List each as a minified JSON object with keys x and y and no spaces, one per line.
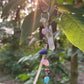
{"x":41,"y":9}
{"x":45,"y":24}
{"x":40,"y":67}
{"x":39,"y":70}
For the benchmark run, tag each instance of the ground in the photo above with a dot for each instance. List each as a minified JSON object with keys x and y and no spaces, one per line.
{"x":6,"y":79}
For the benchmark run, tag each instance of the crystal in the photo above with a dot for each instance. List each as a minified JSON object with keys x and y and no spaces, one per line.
{"x":46,"y":79}
{"x":45,"y":62}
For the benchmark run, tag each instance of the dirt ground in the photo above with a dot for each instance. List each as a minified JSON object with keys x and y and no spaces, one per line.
{"x":7,"y":79}
{"x":10,"y":82}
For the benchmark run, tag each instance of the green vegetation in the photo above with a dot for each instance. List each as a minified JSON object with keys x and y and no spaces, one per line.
{"x":21,"y":39}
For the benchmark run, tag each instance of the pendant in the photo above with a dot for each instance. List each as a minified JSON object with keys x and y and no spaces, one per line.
{"x":46,"y":79}
{"x":45,"y":62}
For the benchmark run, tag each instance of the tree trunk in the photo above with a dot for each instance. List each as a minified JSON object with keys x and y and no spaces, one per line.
{"x":74,"y":67}
{"x":17,"y":31}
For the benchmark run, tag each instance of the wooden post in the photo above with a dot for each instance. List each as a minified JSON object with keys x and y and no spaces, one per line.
{"x":39,"y":70}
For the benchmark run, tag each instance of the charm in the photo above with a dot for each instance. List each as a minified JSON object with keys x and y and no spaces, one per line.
{"x":43,"y":52}
{"x":49,"y":36}
{"x":45,"y":62}
{"x":46,"y":80}
{"x":47,"y":70}
{"x":43,"y":21}
{"x":44,"y":31}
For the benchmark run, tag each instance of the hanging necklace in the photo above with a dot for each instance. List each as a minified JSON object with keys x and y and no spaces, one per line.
{"x":47,"y":32}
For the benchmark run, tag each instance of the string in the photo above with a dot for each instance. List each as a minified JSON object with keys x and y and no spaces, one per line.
{"x":43,"y":11}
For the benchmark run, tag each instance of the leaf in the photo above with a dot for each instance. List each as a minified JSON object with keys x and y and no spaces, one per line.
{"x":60,"y":1}
{"x":60,"y":68}
{"x":30,"y":81}
{"x":32,"y":41}
{"x":73,"y":26}
{"x":58,"y":33}
{"x":64,"y":1}
{"x":72,"y":10}
{"x":30,"y":57}
{"x":40,"y":81}
{"x":11,"y":5}
{"x":8,"y":7}
{"x":23,"y":77}
{"x":53,"y":2}
{"x":27,"y":26}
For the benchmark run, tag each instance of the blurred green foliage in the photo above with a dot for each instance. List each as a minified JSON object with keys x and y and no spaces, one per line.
{"x":22,"y":61}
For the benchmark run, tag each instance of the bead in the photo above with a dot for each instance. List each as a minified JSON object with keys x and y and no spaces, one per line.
{"x":47,"y":70}
{"x":43,"y":51}
{"x":44,"y":31}
{"x":46,"y":79}
{"x":45,"y":62}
